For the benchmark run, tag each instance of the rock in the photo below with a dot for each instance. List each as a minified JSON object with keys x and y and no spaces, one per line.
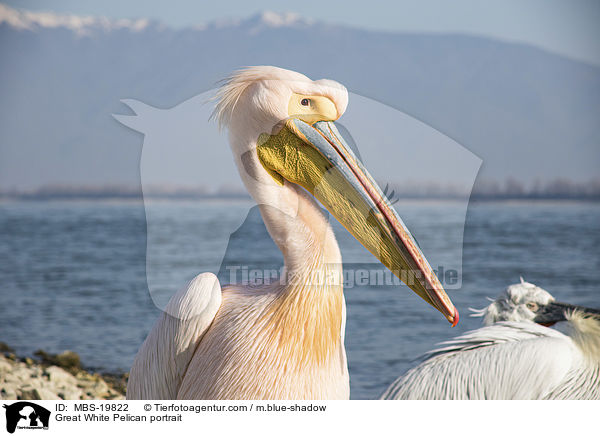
{"x":37,"y":393}
{"x":28,"y":393}
{"x":94,"y":388}
{"x":118,"y":382}
{"x":59,"y":376}
{"x":55,"y":377}
{"x":101,"y":388}
{"x":47,"y":394}
{"x":71,"y":393}
{"x":5,"y":366}
{"x":8,"y":393}
{"x":21,"y":373}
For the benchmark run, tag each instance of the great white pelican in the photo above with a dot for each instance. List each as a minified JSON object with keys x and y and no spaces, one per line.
{"x":513,"y":357}
{"x":282,"y":341}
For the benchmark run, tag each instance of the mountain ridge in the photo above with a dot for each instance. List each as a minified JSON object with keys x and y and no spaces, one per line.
{"x":28,"y":20}
{"x":85,"y":25}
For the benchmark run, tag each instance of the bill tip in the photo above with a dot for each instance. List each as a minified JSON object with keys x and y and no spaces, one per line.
{"x":456,"y":318}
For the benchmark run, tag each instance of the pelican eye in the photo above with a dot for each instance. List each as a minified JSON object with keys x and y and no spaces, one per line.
{"x":532,"y":306}
{"x":312,"y":108}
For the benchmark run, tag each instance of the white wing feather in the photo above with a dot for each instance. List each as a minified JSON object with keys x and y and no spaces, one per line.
{"x":163,"y":358}
{"x":507,"y":360}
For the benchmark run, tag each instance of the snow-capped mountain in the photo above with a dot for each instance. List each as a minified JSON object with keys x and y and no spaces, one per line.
{"x":80,"y":25}
{"x":88,"y":25}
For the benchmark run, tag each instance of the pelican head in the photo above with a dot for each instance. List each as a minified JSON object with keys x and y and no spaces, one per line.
{"x":289,"y":154}
{"x":525,"y":301}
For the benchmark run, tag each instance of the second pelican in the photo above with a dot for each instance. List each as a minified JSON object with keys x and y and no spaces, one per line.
{"x":513,"y":357}
{"x":282,"y":341}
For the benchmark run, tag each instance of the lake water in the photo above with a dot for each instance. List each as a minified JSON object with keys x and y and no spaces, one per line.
{"x":74,"y":274}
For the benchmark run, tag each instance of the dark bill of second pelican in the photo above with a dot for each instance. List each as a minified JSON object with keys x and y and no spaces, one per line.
{"x":316,"y":157}
{"x":556,"y":311}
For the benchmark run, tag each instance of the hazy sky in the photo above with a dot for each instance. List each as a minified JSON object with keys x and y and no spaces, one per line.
{"x":569,"y":27}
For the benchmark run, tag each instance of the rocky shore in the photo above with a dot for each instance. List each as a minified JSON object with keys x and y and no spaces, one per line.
{"x":54,"y":377}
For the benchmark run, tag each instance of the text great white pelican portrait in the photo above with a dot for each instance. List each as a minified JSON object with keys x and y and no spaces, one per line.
{"x":282,"y":341}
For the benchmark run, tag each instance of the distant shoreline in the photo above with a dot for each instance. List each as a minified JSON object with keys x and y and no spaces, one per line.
{"x":558,"y":190}
{"x":118,"y":197}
